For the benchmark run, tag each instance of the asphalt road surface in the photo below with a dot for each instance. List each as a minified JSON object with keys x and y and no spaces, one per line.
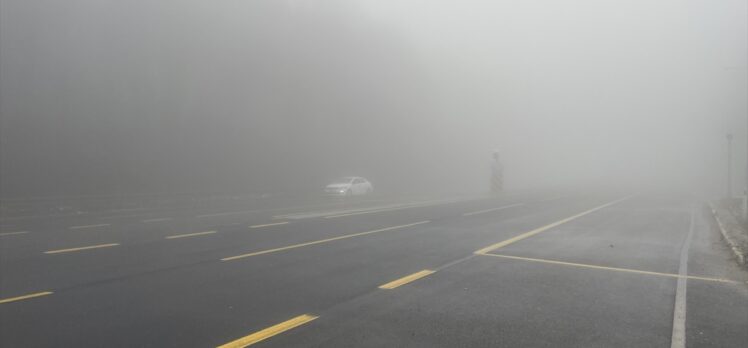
{"x":527,"y":269}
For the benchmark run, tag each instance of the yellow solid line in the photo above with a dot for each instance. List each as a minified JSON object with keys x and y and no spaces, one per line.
{"x":13,"y":233}
{"x":190,"y":235}
{"x":545,"y":228}
{"x":616,"y":269}
{"x":81,"y":248}
{"x":493,"y":209}
{"x":407,"y":279}
{"x":320,"y":241}
{"x":268,"y":225}
{"x":269,"y":332}
{"x":87,"y":226}
{"x":25,"y":297}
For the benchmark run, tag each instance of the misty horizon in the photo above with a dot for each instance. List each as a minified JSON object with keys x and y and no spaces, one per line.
{"x":271,"y":96}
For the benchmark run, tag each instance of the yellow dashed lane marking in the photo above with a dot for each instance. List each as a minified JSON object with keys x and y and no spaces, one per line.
{"x":25,"y":297}
{"x":81,"y":248}
{"x":190,"y":235}
{"x":87,"y":226}
{"x":269,"y":332}
{"x":368,"y":212}
{"x":407,"y":279}
{"x":268,"y":225}
{"x":493,"y":209}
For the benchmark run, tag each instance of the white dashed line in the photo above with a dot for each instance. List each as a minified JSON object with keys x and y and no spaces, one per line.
{"x":88,"y":226}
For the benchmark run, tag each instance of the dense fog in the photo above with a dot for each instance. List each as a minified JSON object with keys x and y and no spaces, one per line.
{"x":105,"y":97}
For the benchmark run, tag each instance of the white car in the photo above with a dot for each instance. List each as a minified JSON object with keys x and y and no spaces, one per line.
{"x":349,"y":186}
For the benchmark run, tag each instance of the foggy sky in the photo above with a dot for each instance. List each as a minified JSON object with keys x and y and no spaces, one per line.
{"x":101,"y":97}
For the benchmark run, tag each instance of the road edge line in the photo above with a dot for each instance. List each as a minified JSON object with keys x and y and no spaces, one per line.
{"x":733,"y":246}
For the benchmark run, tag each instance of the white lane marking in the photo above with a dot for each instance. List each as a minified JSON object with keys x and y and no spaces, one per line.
{"x":367,"y":212}
{"x":265,"y":210}
{"x":678,"y":339}
{"x":226,"y":213}
{"x":315,"y":242}
{"x":614,"y":269}
{"x":88,"y":226}
{"x":493,"y":209}
{"x":157,"y":220}
{"x":229,"y":213}
{"x":349,"y":212}
{"x":13,"y":233}
{"x":268,"y":225}
{"x":190,"y":235}
{"x":373,"y":210}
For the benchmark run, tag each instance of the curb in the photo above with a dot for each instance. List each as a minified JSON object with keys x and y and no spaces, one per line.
{"x":735,"y":249}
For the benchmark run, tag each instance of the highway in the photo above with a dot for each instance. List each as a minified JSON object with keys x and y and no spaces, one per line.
{"x":525,"y":269}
